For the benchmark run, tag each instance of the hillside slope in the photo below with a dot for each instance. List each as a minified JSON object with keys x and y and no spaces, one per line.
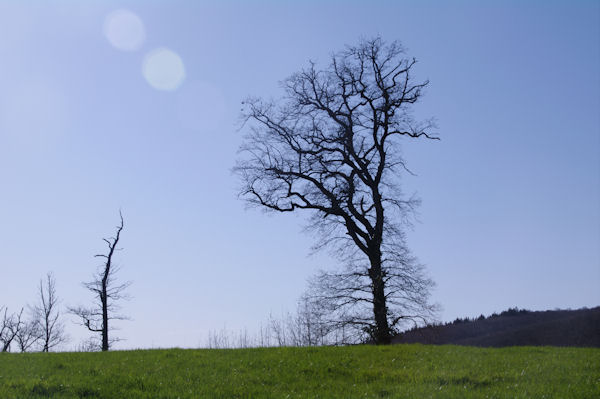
{"x":358,"y":371}
{"x":515,"y":328}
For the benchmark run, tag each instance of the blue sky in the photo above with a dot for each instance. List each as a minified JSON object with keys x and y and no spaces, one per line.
{"x":511,"y":194}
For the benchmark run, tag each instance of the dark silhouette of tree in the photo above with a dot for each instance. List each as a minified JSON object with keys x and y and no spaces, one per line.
{"x":331,"y":146}
{"x":10,"y":326}
{"x":106,"y":292}
{"x":47,"y":315}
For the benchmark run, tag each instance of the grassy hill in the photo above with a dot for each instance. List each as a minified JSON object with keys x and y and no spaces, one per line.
{"x":515,"y":327}
{"x":398,"y":371}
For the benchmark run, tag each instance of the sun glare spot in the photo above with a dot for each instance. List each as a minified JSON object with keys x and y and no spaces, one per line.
{"x":124,"y":30}
{"x":163,"y":69}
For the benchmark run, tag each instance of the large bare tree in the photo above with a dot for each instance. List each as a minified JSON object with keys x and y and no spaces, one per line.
{"x":106,"y":294}
{"x":331,"y":145}
{"x":46,"y":315}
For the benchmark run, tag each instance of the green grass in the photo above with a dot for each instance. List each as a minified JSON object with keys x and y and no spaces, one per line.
{"x":400,"y":371}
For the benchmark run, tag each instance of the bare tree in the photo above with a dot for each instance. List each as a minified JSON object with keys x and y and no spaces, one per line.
{"x":305,"y":327}
{"x":28,"y":335}
{"x":312,"y":326}
{"x":106,"y":292}
{"x":47,"y":315}
{"x":331,"y":146}
{"x":279,"y":330}
{"x":10,"y":326}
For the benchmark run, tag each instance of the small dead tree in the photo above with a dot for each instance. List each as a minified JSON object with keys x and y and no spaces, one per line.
{"x":10,"y":326}
{"x":107,"y":292}
{"x":47,"y":315}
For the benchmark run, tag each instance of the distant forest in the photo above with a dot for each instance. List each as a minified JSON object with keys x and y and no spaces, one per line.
{"x":514,"y":327}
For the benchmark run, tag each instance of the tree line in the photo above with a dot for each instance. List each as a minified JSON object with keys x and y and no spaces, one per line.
{"x":38,"y":328}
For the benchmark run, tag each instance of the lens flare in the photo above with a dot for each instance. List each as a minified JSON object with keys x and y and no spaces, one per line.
{"x":124,"y":30}
{"x":163,"y":69}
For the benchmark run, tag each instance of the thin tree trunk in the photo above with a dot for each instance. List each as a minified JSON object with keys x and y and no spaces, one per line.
{"x":104,"y":322}
{"x":46,"y":333}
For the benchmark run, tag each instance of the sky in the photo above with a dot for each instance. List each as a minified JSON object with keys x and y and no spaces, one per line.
{"x":135,"y":105}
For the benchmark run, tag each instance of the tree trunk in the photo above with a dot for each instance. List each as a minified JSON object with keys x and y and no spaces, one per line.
{"x":381,"y":335}
{"x":46,"y":332}
{"x":104,"y":323}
